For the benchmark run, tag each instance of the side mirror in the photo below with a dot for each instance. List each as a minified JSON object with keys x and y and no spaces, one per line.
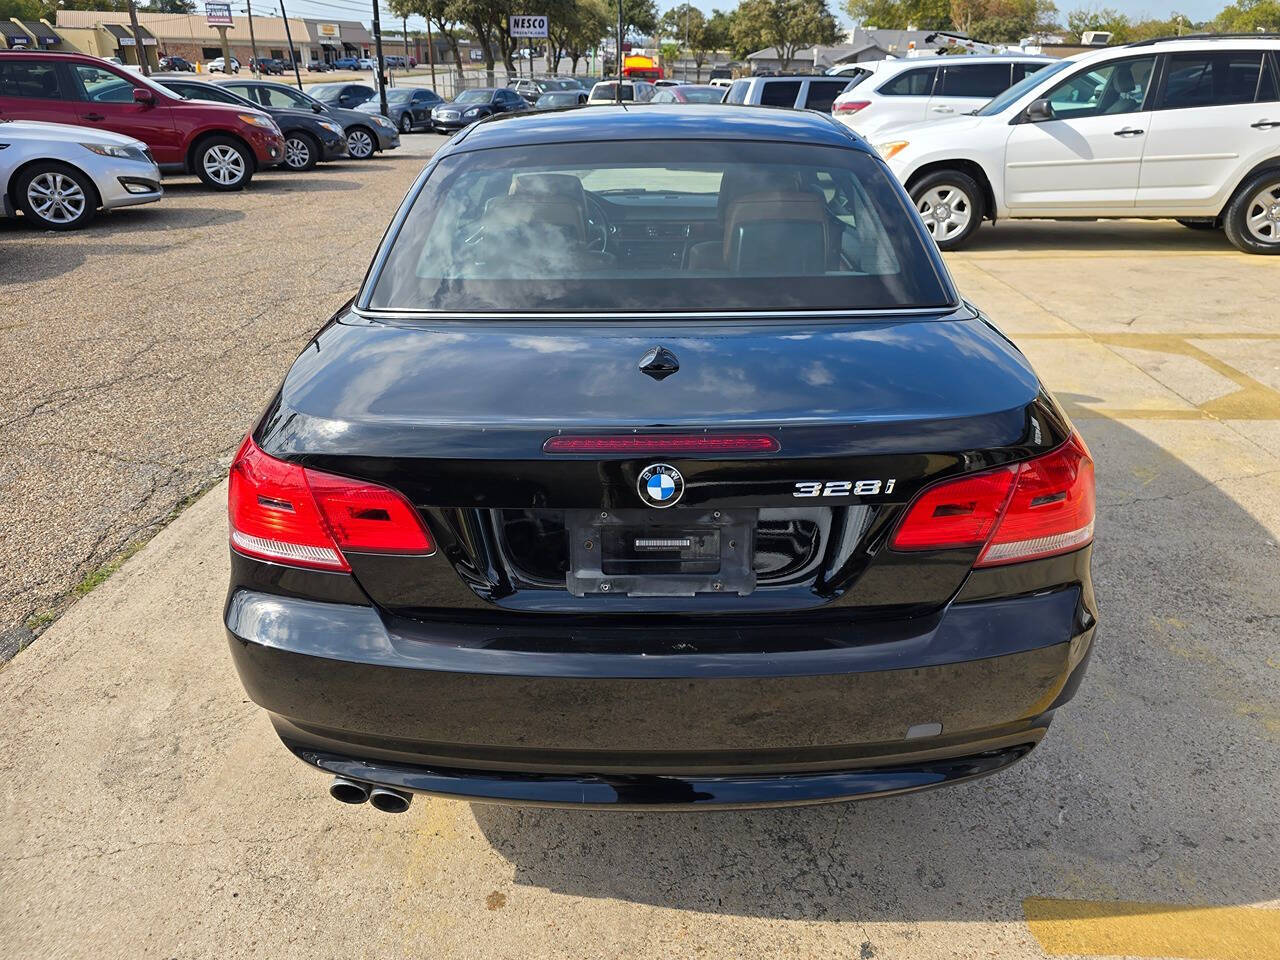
{"x":1040,"y":111}
{"x":144,"y":95}
{"x":317,"y":108}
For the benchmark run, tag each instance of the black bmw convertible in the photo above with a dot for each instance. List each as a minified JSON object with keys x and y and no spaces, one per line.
{"x":659,"y":463}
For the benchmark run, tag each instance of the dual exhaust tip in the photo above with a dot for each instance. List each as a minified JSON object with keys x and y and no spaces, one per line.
{"x":381,"y":798}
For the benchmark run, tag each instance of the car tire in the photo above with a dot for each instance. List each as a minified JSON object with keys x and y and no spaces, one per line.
{"x":1252,"y":218}
{"x":406,"y":122}
{"x":54,"y":196}
{"x":361,"y":143}
{"x":223,"y":163}
{"x":301,"y":151}
{"x":1210,"y":224}
{"x":951,"y":205}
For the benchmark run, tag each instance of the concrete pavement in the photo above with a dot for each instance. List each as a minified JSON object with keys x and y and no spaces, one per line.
{"x":147,"y":809}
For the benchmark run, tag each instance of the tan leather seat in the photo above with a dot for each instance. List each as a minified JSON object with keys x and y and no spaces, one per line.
{"x":776,"y":232}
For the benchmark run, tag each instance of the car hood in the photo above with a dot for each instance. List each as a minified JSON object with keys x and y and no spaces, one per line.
{"x":948,"y":128}
{"x":346,"y":115}
{"x":62,"y":133}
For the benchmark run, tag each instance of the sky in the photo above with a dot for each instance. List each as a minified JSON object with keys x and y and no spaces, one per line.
{"x":358,"y":10}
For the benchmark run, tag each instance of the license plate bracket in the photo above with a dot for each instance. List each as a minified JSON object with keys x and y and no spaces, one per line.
{"x":680,"y":553}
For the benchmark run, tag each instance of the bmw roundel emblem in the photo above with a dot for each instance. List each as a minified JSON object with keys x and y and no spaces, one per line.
{"x":660,"y":485}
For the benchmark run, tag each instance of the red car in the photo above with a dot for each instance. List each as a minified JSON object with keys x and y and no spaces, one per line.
{"x":221,"y":144}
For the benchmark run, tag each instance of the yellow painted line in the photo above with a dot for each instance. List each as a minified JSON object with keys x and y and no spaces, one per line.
{"x":1099,"y":929}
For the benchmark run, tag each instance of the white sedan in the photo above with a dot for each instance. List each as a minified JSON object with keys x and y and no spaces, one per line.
{"x":60,"y":174}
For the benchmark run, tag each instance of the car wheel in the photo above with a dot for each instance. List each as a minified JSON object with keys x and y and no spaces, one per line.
{"x":301,"y":151}
{"x":223,"y":164}
{"x":360,"y":143}
{"x":950,"y":203}
{"x":57,"y":197}
{"x":1200,"y":224}
{"x":406,"y":123}
{"x":1252,"y":220}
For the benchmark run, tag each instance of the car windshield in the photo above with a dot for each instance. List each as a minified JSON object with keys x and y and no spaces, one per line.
{"x":557,"y":99}
{"x":607,"y":91}
{"x":1014,"y":93}
{"x":395,"y":96}
{"x":473,"y":96}
{"x":323,"y":90}
{"x":670,"y":226}
{"x":703,"y":94}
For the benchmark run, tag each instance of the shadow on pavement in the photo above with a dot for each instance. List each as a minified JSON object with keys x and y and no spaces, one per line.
{"x":1157,"y":783}
{"x":1051,"y":237}
{"x":268,"y":181}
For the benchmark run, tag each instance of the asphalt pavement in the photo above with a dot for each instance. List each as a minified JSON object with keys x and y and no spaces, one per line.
{"x":146,"y":808}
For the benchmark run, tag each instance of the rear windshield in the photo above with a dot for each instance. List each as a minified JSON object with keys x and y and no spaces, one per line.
{"x":669,"y":226}
{"x":609,"y":91}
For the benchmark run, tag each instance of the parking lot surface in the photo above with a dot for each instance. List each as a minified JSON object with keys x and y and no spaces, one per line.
{"x":148,"y":810}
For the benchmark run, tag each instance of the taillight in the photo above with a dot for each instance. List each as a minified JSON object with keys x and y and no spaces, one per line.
{"x":634,"y":443}
{"x":1021,"y":512}
{"x":849,"y":106}
{"x":289,"y":514}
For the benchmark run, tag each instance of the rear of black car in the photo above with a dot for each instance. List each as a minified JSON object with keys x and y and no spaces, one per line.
{"x":577,"y":549}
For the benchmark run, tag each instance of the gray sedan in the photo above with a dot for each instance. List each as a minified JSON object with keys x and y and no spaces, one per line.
{"x":409,"y":108}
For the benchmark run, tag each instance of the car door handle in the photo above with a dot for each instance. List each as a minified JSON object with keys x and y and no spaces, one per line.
{"x":94,"y":116}
{"x":1265,"y":124}
{"x":943,"y":109}
{"x":1129,"y":132}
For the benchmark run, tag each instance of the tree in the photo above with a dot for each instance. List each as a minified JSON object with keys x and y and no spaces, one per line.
{"x":440,"y":15}
{"x":1113,"y":21}
{"x":785,"y":25}
{"x":22,"y":9}
{"x":577,"y":26}
{"x":965,"y":12}
{"x":1249,"y":16}
{"x":1008,"y":21}
{"x":688,"y":25}
{"x":885,"y":14}
{"x":172,"y":6}
{"x":719,"y":25}
{"x":638,"y":16}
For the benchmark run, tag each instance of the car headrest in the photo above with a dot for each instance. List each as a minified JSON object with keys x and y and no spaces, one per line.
{"x":562,"y":185}
{"x":804,"y":213}
{"x":529,"y":218}
{"x":738,"y":182}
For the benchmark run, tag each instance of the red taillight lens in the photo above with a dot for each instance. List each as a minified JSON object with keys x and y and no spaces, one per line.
{"x":1051,"y":510}
{"x":850,"y":106}
{"x":690,"y":443}
{"x":957,"y":513}
{"x":287,"y":514}
{"x":1034,"y":509}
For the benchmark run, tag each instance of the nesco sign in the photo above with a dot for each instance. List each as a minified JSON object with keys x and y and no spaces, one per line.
{"x":528,"y":26}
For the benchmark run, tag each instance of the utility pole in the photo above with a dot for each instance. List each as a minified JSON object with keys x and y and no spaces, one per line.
{"x":253,"y":43}
{"x":141,"y":50}
{"x":378,"y":67}
{"x":288,"y":37}
{"x":617,"y":82}
{"x":431,"y":54}
{"x":404,"y":27}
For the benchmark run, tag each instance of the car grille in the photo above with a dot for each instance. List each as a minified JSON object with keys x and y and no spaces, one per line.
{"x":447,"y":115}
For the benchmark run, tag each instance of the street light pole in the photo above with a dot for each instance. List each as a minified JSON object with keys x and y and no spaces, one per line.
{"x":253,"y":43}
{"x":617,"y":83}
{"x":378,"y":67}
{"x":293,"y":54}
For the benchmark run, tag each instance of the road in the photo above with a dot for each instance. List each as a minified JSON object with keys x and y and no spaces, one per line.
{"x":147,"y":809}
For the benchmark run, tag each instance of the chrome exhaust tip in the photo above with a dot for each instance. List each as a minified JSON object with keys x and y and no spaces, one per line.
{"x":349,"y":791}
{"x":390,"y":801}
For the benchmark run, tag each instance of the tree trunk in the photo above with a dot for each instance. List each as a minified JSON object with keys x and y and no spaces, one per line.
{"x":575,"y":59}
{"x":697,"y":63}
{"x":453,"y":47}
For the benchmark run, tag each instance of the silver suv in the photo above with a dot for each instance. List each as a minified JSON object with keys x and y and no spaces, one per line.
{"x":802,"y":93}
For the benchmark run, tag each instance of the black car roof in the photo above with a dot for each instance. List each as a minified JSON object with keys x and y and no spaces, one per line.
{"x":666,"y":121}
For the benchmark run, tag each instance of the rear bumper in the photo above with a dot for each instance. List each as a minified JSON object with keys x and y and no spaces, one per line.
{"x":478,"y":712}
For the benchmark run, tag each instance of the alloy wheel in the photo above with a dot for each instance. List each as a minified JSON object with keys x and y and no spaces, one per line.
{"x":359,"y":144}
{"x":56,"y":198}
{"x":406,"y":123}
{"x":297,"y":154}
{"x":1262,"y":217}
{"x":224,"y":164}
{"x":946,"y":210}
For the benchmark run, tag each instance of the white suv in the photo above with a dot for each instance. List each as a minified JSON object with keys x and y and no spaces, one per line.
{"x":1183,"y":128}
{"x":929,"y":88}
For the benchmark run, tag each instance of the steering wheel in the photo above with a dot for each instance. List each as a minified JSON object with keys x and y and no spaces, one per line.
{"x":598,"y":226}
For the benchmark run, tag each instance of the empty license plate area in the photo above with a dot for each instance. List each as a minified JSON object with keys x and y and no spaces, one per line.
{"x":679,"y":554}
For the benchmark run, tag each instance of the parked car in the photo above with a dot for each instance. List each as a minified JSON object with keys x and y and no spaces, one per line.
{"x":801,"y":92}
{"x":689,"y":593}
{"x":472,"y":105}
{"x":308,"y":137}
{"x":911,"y":91}
{"x":223,"y":145}
{"x":177,"y":65}
{"x":346,"y":63}
{"x":633,"y":91}
{"x":268,"y":65}
{"x":409,"y":108}
{"x":689,"y":93}
{"x":1185,"y":128}
{"x":318,"y":66}
{"x":556,"y":99}
{"x":667,"y":82}
{"x":365,"y":63}
{"x":722,"y":82}
{"x":349,"y":95}
{"x":396,"y":61}
{"x":216,"y":65}
{"x":59,"y":175}
{"x":366,"y":133}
